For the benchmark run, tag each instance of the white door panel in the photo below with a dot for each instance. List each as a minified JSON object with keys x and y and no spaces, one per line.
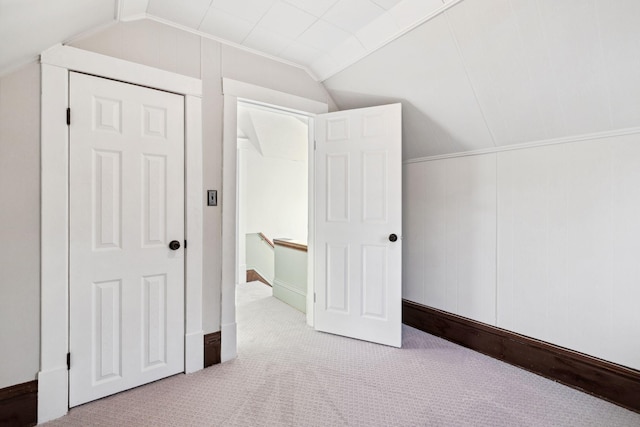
{"x":358,"y":206}
{"x":126,"y":315}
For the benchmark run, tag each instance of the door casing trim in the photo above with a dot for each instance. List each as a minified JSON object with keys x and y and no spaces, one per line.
{"x":56,"y":63}
{"x":234,"y":90}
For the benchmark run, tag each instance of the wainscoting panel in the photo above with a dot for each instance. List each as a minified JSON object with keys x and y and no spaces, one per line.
{"x":449,"y":235}
{"x":569,"y":245}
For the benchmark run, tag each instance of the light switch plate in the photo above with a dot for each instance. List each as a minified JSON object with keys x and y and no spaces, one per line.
{"x":212,"y":197}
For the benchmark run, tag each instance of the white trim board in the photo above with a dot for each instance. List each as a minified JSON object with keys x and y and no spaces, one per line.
{"x":533,"y":144}
{"x":118,"y":69}
{"x":56,"y":63}
{"x":289,"y":287}
{"x":311,"y":238}
{"x":280,"y":100}
{"x":234,"y":90}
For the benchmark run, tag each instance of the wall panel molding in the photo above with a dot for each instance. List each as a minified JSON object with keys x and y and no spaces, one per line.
{"x":533,"y":144}
{"x":564,"y":235}
{"x":609,"y":381}
{"x":449,"y":236}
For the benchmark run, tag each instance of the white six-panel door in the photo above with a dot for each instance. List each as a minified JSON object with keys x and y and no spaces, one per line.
{"x":358,"y":206}
{"x":126,"y":320}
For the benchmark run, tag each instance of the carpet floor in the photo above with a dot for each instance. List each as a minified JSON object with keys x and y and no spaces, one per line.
{"x":286,"y":374}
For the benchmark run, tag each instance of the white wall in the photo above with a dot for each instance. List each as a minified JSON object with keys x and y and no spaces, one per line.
{"x":290,"y":277}
{"x":449,"y":235}
{"x":276,"y":201}
{"x":148,"y":43}
{"x":164,"y":47}
{"x":260,"y":257}
{"x":272,"y":174}
{"x":567,"y":247}
{"x":20,"y":226}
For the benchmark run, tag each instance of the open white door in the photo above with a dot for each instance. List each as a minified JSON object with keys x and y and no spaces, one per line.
{"x":358,"y":221}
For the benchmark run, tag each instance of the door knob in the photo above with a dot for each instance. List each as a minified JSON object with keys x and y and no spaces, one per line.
{"x":174,"y":245}
{"x":393,"y":237}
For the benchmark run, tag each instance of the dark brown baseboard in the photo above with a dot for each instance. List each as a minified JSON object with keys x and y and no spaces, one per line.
{"x":19,"y":405}
{"x":609,"y":381}
{"x":212,"y":349}
{"x":253,"y":275}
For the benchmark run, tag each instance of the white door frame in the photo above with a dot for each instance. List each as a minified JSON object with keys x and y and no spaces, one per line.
{"x":57,"y":62}
{"x":232,"y":91}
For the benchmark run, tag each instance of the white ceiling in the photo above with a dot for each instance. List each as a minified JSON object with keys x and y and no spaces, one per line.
{"x":323,"y":36}
{"x":27,"y":27}
{"x":476,"y":78}
{"x":272,"y":133}
{"x":470,"y":77}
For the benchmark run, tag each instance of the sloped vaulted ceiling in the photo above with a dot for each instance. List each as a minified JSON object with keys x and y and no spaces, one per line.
{"x":477,"y":75}
{"x":493,"y":73}
{"x":322,"y":36}
{"x":28,"y":27}
{"x":273,"y":134}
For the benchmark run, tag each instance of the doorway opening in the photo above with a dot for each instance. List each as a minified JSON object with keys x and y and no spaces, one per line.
{"x":273,"y":199}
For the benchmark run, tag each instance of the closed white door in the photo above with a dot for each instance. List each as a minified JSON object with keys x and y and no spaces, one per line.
{"x":126,"y":320}
{"x":358,"y":217}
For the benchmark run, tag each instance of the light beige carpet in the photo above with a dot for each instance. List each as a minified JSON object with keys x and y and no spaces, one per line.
{"x":286,"y":374}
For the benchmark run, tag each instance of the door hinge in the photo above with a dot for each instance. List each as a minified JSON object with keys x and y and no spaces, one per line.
{"x":185,"y":244}
{"x":68,"y":361}
{"x":314,"y":297}
{"x":315,"y":144}
{"x":68,"y":116}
